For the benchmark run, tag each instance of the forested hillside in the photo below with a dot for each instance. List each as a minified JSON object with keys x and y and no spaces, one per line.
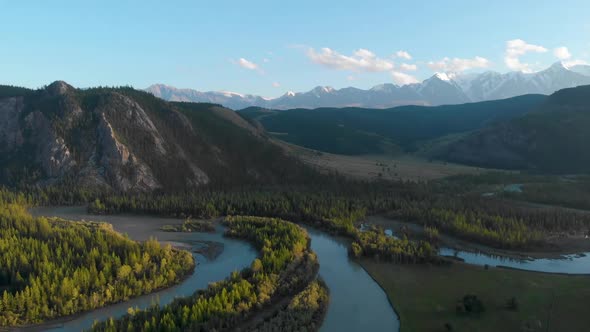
{"x":129,"y":140}
{"x":374,"y":131}
{"x":549,"y":139}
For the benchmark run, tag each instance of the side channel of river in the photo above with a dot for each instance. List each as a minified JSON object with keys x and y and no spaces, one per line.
{"x":568,"y":264}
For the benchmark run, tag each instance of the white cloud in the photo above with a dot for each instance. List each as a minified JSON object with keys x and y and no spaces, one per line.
{"x":402,"y":78}
{"x":351,"y":78}
{"x":562,"y":53}
{"x":516,"y":48}
{"x":571,"y":63}
{"x":403,"y":55}
{"x":247,"y":64}
{"x":266,"y":60}
{"x":457,"y":65}
{"x":276,"y":84}
{"x":361,"y":60}
{"x":364,"y":53}
{"x":408,"y":67}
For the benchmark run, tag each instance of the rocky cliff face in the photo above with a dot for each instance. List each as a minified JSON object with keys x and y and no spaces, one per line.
{"x":121,"y":167}
{"x":127,"y":140}
{"x":51,"y":150}
{"x":11,"y":136}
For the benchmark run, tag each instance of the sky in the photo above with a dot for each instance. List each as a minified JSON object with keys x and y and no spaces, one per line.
{"x":270,"y":47}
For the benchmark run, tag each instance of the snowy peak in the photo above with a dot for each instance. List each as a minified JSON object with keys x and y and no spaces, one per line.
{"x":558,"y":66}
{"x":322,"y":89}
{"x":384,"y":87}
{"x":230,"y":94}
{"x":498,"y":86}
{"x":441,"y":88}
{"x":441,"y":76}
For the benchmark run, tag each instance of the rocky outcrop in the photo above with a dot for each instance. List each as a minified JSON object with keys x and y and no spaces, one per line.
{"x":127,"y":114}
{"x":200,"y":177}
{"x":52,"y":152}
{"x":121,"y":168}
{"x":58,"y":88}
{"x":11,"y":135}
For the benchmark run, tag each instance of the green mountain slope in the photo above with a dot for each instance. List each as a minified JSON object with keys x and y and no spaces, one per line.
{"x":129,"y":140}
{"x":365,"y":131}
{"x":552,"y":138}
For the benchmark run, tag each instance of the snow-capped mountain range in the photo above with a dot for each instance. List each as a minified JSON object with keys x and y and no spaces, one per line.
{"x":437,"y":90}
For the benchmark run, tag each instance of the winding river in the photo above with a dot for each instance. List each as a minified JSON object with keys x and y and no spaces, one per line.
{"x":357,"y":302}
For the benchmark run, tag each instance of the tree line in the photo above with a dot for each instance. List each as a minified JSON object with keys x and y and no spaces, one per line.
{"x":375,"y":243}
{"x":51,"y":267}
{"x":448,"y":206}
{"x":305,"y":312}
{"x":492,"y":221}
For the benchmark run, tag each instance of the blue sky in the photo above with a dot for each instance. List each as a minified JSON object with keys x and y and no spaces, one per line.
{"x":269,"y":47}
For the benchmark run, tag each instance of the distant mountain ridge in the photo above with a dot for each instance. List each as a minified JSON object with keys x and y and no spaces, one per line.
{"x":354,"y":131}
{"x":440,"y":89}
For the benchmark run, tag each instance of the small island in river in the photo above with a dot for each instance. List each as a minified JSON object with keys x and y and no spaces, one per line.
{"x":190,"y":225}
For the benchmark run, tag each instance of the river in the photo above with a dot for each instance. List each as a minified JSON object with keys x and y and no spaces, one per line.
{"x":357,"y":302}
{"x":235,"y":256}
